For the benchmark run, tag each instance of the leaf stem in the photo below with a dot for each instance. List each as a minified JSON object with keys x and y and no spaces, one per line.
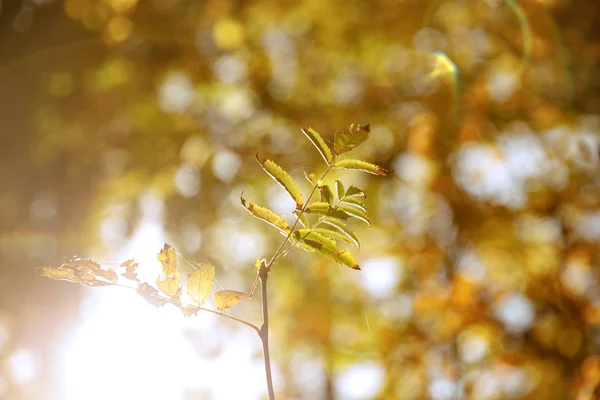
{"x":264,"y":329}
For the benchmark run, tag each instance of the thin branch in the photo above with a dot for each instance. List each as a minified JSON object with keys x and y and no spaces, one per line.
{"x":264,"y":329}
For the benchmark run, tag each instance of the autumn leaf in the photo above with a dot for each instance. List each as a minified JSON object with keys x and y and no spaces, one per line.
{"x":266,"y":215}
{"x":326,"y":194}
{"x":350,"y":138}
{"x":354,"y":191}
{"x":151,"y":295}
{"x":284,"y":180}
{"x":319,"y":143}
{"x":339,"y":187}
{"x":199,"y":283}
{"x":360,"y":165}
{"x":57,"y":273}
{"x":225,"y":299}
{"x":169,"y":285}
{"x":130,"y":267}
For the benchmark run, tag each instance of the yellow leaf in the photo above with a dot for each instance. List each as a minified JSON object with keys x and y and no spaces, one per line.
{"x":284,"y":180}
{"x":360,"y":165}
{"x":199,"y":283}
{"x":319,"y":143}
{"x":170,"y":284}
{"x":266,"y":215}
{"x":225,"y":299}
{"x":350,"y":138}
{"x":57,"y":273}
{"x":151,"y":295}
{"x":168,"y":259}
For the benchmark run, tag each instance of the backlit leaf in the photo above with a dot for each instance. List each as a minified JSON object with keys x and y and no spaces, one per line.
{"x":351,"y":201}
{"x":303,"y":220}
{"x":356,"y":213}
{"x":350,"y":138}
{"x":199,"y":283}
{"x":342,"y":228}
{"x":266,"y":215}
{"x":57,"y":273}
{"x":151,"y":295}
{"x":339,"y":187}
{"x":323,"y":208}
{"x":312,"y":178}
{"x":283,"y":179}
{"x":360,"y":165}
{"x":319,"y":143}
{"x":327,"y":247}
{"x":169,"y":284}
{"x":326,"y":194}
{"x":225,"y":299}
{"x":334,"y":235}
{"x":130,"y":267}
{"x":354,"y":191}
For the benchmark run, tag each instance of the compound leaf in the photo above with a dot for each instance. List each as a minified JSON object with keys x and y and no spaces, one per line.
{"x":266,"y":215}
{"x":350,"y":138}
{"x":199,"y":283}
{"x":319,"y":143}
{"x":355,"y":212}
{"x":283,"y":179}
{"x":327,"y":248}
{"x":360,"y":165}
{"x":225,"y":299}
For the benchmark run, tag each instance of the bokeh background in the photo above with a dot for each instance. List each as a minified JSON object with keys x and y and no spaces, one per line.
{"x":125,"y":124}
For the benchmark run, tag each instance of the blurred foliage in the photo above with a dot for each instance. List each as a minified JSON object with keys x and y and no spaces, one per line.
{"x":480,"y":271}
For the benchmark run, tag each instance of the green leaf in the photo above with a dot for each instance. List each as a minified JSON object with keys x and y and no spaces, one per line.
{"x":283,"y":179}
{"x":356,"y":213}
{"x":303,"y":220}
{"x":351,"y":201}
{"x":225,"y":299}
{"x":350,"y":138}
{"x":326,"y":194}
{"x":266,"y":215}
{"x":342,"y":228}
{"x":360,"y":165}
{"x":326,"y":247}
{"x":199,"y":283}
{"x":339,"y":187}
{"x":354,"y":191}
{"x":319,"y":143}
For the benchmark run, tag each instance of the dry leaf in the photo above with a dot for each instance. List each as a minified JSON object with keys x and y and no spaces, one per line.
{"x":225,"y":299}
{"x":199,"y":283}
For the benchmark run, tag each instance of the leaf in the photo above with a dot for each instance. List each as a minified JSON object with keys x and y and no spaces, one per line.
{"x":188,"y":311}
{"x":323,"y":208}
{"x":354,"y":191}
{"x":319,"y":143}
{"x":342,"y":228}
{"x":356,"y":213}
{"x":360,"y":165}
{"x":283,"y":179}
{"x":303,"y":220}
{"x":169,"y":285}
{"x":326,"y":247}
{"x":151,"y":295}
{"x":326,"y":194}
{"x":351,"y":201}
{"x":350,"y":138}
{"x":334,"y":235}
{"x":339,"y":187}
{"x":57,"y":273}
{"x":225,"y":299}
{"x":199,"y":283}
{"x":312,"y":178}
{"x":266,"y":215}
{"x":130,"y":267}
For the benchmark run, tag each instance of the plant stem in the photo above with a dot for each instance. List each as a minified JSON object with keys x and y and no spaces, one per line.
{"x":264,"y":329}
